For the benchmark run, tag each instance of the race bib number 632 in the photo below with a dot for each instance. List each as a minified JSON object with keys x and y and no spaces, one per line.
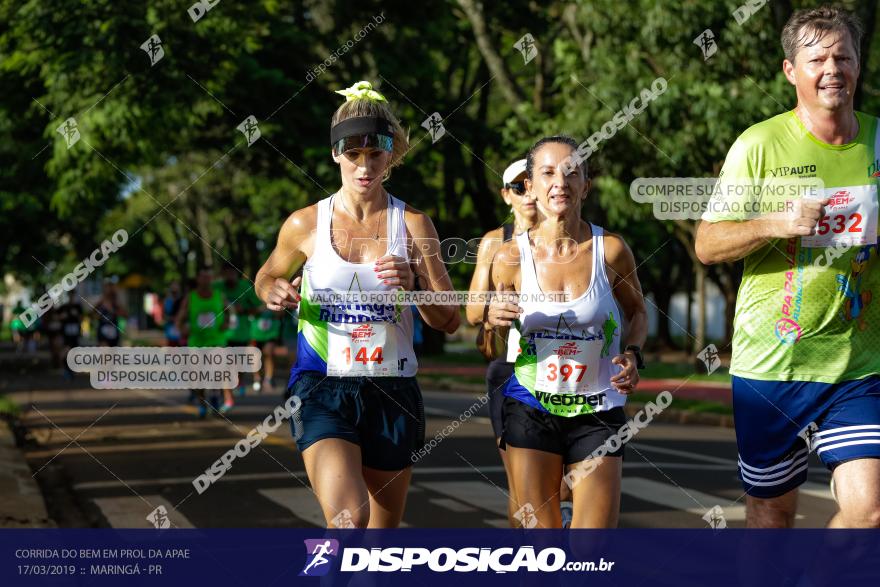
{"x":850,"y":218}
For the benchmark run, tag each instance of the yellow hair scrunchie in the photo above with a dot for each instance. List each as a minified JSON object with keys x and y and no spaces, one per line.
{"x":363,"y":91}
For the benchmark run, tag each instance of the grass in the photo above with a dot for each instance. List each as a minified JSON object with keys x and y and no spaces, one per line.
{"x":8,"y":408}
{"x":654,"y":370}
{"x":456,"y":358}
{"x":683,"y":371}
{"x":452,"y":379}
{"x":690,"y":405}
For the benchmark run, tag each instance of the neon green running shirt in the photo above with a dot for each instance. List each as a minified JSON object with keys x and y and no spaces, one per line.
{"x":807,"y":313}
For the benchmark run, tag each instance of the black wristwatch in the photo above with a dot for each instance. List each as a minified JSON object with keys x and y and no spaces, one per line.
{"x":637,"y":351}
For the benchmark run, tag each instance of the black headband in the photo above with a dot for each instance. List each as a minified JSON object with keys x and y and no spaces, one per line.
{"x":362,"y":125}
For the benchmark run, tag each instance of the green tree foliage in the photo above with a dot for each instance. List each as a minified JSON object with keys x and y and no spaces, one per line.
{"x":160,"y":154}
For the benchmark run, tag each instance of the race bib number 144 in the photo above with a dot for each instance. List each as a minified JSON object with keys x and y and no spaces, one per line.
{"x":360,"y":350}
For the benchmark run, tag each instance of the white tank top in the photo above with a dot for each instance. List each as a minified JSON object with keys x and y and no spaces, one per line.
{"x":564,"y":366}
{"x":353,"y":340}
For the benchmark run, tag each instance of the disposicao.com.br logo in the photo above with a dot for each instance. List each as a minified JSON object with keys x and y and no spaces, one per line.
{"x":441,"y":560}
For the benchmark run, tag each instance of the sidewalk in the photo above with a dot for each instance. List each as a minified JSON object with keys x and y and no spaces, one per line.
{"x":22,"y":505}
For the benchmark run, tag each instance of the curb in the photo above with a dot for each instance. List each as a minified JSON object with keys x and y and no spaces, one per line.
{"x":22,"y":505}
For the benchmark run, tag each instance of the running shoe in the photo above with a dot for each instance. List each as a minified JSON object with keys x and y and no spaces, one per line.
{"x":226,"y":407}
{"x":567,"y":509}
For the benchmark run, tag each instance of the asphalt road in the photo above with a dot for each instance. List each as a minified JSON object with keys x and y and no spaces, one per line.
{"x":108,"y":458}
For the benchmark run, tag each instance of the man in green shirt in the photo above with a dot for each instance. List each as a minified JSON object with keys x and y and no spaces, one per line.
{"x":242,"y":302}
{"x":806,"y":333}
{"x":203,"y":316}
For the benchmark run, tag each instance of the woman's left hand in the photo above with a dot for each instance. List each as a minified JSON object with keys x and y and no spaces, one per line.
{"x":395,"y":271}
{"x":626,"y":381}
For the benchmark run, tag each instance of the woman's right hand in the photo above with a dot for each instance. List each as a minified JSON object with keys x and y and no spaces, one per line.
{"x":284,"y":295}
{"x":502,"y":313}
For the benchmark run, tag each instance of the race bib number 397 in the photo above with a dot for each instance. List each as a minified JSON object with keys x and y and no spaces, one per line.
{"x":567,"y":366}
{"x":359,"y":350}
{"x":850,"y":218}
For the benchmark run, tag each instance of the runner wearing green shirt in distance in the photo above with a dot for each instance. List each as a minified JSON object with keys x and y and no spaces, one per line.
{"x":202,"y":316}
{"x":243,"y":303}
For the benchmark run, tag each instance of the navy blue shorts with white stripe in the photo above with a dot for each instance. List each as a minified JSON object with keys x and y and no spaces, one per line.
{"x":779,"y":422}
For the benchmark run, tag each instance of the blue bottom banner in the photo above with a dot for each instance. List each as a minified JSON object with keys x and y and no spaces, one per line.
{"x":276,"y":557}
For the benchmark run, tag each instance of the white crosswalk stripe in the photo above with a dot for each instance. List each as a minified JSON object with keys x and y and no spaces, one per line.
{"x":479,"y":493}
{"x":302,"y":503}
{"x":132,"y":511}
{"x":453,"y":505}
{"x":680,"y":498}
{"x":816,"y":490}
{"x":484,"y":503}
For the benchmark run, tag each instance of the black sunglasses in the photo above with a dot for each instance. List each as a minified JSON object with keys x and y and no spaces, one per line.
{"x":518,"y":187}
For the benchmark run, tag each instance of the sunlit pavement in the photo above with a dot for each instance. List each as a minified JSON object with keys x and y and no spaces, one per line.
{"x":111,"y":457}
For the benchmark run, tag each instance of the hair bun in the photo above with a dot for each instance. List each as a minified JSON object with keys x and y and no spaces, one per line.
{"x":362,"y":90}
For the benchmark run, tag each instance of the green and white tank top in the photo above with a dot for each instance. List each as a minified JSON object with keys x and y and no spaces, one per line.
{"x":352,"y":340}
{"x":564,"y":366}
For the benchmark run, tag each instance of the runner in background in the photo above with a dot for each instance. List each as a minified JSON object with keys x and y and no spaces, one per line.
{"x":240,"y":296}
{"x":524,"y":213}
{"x":189,"y":287}
{"x":170,"y":309}
{"x":203,"y":318}
{"x":108,"y":313}
{"x":24,"y":336}
{"x":16,"y":326}
{"x":71,"y":314}
{"x":565,"y":399}
{"x":266,"y":334}
{"x":362,"y":416}
{"x":52,"y":330}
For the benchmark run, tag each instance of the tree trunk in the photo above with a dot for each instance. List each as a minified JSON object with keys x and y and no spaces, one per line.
{"x":478,"y":167}
{"x":867,"y":12}
{"x":781,"y":12}
{"x":727,"y":276}
{"x":729,"y":312}
{"x":474,"y":12}
{"x":663,"y":299}
{"x":689,"y":320}
{"x":700,"y":279}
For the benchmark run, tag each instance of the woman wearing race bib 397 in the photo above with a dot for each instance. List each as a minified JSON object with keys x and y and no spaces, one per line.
{"x":576,"y":287}
{"x":361,"y":416}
